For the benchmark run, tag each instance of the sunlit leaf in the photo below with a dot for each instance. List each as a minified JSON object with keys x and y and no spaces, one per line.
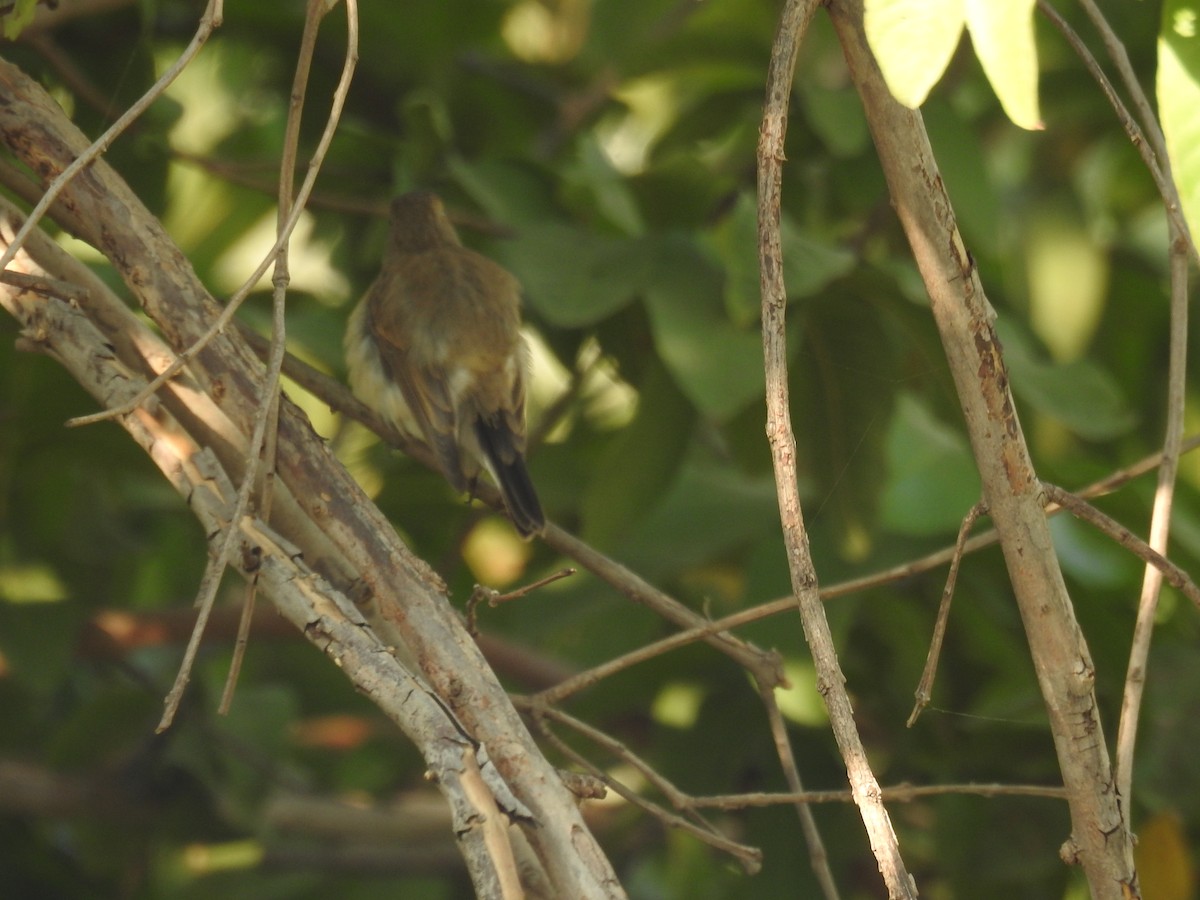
{"x":19,"y":15}
{"x":1002,"y":33}
{"x":913,"y":41}
{"x":1068,"y":284}
{"x":1179,"y":99}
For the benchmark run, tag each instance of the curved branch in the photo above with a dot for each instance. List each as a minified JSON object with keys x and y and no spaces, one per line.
{"x":830,"y":680}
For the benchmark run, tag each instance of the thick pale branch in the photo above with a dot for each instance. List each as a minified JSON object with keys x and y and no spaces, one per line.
{"x":350,"y":543}
{"x":321,"y":613}
{"x":1100,"y":836}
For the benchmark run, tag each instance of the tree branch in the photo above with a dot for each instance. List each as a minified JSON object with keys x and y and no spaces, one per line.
{"x":1100,"y":837}
{"x":830,"y":681}
{"x":343,"y":538}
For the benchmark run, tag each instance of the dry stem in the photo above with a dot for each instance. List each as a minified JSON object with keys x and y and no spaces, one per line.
{"x":830,"y":681}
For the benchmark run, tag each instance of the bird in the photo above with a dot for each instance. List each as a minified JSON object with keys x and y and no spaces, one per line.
{"x":435,"y":343}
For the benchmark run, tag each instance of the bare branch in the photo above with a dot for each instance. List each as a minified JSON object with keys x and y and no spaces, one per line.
{"x":818,"y":858}
{"x":320,"y":508}
{"x":903,"y":793}
{"x":831,"y":683}
{"x":1160,"y":522}
{"x":322,"y":613}
{"x":1010,"y":486}
{"x":1174,"y":575}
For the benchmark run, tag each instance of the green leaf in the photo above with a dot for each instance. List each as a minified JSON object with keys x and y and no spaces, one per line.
{"x":837,"y":117}
{"x":718,"y":365}
{"x":1002,"y":33}
{"x":808,"y":264}
{"x":641,"y":463}
{"x":1179,"y":99}
{"x":960,"y":153}
{"x":913,"y":41}
{"x":709,"y":511}
{"x":1088,"y":556}
{"x":574,"y":278}
{"x":88,"y":732}
{"x":20,"y":15}
{"x":512,"y":194}
{"x":38,"y":641}
{"x":593,"y":175}
{"x":932,"y":476}
{"x":1079,"y":394}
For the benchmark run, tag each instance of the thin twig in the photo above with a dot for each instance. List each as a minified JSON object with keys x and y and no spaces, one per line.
{"x":235,"y":300}
{"x":586,"y":679}
{"x":268,"y":396}
{"x":885,"y":846}
{"x":901,"y":793}
{"x":765,"y":667}
{"x":493,"y":598}
{"x":749,"y":857}
{"x":1182,"y":246}
{"x":818,"y":858}
{"x":1116,"y":52}
{"x":1160,"y":523}
{"x":45,"y":285}
{"x":1174,"y":576}
{"x":259,"y":467}
{"x":925,"y":686}
{"x":207,"y":593}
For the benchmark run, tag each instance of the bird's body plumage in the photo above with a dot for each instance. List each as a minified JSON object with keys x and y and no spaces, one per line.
{"x":435,"y":343}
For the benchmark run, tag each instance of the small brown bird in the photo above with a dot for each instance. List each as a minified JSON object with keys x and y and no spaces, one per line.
{"x":436,"y":342}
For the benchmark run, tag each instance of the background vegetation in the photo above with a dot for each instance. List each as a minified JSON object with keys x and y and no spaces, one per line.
{"x":605,"y":153}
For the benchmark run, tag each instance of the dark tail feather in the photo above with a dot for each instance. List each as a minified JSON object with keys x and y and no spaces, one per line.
{"x":508,"y":466}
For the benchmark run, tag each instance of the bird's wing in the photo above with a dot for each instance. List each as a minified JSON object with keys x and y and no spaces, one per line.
{"x":425,"y":390}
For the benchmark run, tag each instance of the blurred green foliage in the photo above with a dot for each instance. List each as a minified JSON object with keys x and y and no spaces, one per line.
{"x":607,"y":149}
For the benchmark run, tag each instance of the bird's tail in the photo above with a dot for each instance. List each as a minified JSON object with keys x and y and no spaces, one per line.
{"x":507,"y":465}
